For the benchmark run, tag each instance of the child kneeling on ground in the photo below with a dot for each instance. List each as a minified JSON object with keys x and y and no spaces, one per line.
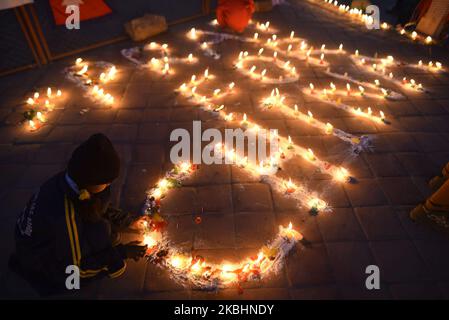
{"x":69,"y":222}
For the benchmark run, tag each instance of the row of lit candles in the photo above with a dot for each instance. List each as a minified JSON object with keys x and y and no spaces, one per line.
{"x":190,"y":90}
{"x":357,"y":111}
{"x":227,"y":273}
{"x":49,"y":100}
{"x":366,"y":19}
{"x":97,"y":92}
{"x":277,"y":100}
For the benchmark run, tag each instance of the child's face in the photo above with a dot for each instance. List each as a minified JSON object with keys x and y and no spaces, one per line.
{"x":97,"y":188}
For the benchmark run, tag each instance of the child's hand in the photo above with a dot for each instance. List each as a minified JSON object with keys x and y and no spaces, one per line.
{"x":133,"y":250}
{"x":140,"y":223}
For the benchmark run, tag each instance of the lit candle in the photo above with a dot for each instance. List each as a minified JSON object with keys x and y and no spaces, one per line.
{"x":362,"y":90}
{"x":414,"y":35}
{"x":193,"y":33}
{"x":310,"y":155}
{"x":166,"y":68}
{"x":178,"y":261}
{"x":231,"y":86}
{"x":348,"y":89}
{"x":312,"y":88}
{"x":340,"y":47}
{"x":30,"y":101}
{"x":32,"y":125}
{"x":290,"y":143}
{"x":59,"y":93}
{"x":244,"y":120}
{"x":341,"y":174}
{"x":292,"y":34}
{"x":256,"y":36}
{"x":36,"y":95}
{"x":290,"y":233}
{"x":83,"y":69}
{"x":310,"y":114}
{"x":329,"y":128}
{"x":49,"y":92}
{"x":290,"y":186}
{"x":206,"y":74}
{"x":253,"y":68}
{"x":40,"y":117}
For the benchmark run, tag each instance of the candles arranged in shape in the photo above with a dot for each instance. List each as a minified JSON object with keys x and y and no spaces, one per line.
{"x":92,"y":81}
{"x":358,"y":16}
{"x":40,"y":104}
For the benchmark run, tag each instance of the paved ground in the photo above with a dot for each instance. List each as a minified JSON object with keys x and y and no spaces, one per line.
{"x":369,"y":224}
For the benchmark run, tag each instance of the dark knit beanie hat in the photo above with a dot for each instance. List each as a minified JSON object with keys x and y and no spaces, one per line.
{"x":94,"y":162}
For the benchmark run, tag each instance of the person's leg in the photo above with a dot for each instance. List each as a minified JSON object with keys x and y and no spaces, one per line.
{"x":436,"y":182}
{"x":436,"y":204}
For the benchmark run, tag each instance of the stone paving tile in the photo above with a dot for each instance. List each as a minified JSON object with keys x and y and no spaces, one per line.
{"x":148,"y":153}
{"x":384,"y":164}
{"x":215,"y":231}
{"x":309,"y":266}
{"x":13,"y":201}
{"x":158,"y":279}
{"x":400,"y":191}
{"x":254,"y":229}
{"x":215,"y":198}
{"x":340,"y":225}
{"x":180,"y":201}
{"x":333,"y":193}
{"x":429,"y":142}
{"x":416,"y":164}
{"x":380,"y":223}
{"x":209,"y":174}
{"x":399,"y":261}
{"x":252,"y":197}
{"x":434,"y":255}
{"x":365,"y":193}
{"x":402,"y":142}
{"x":349,"y":261}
